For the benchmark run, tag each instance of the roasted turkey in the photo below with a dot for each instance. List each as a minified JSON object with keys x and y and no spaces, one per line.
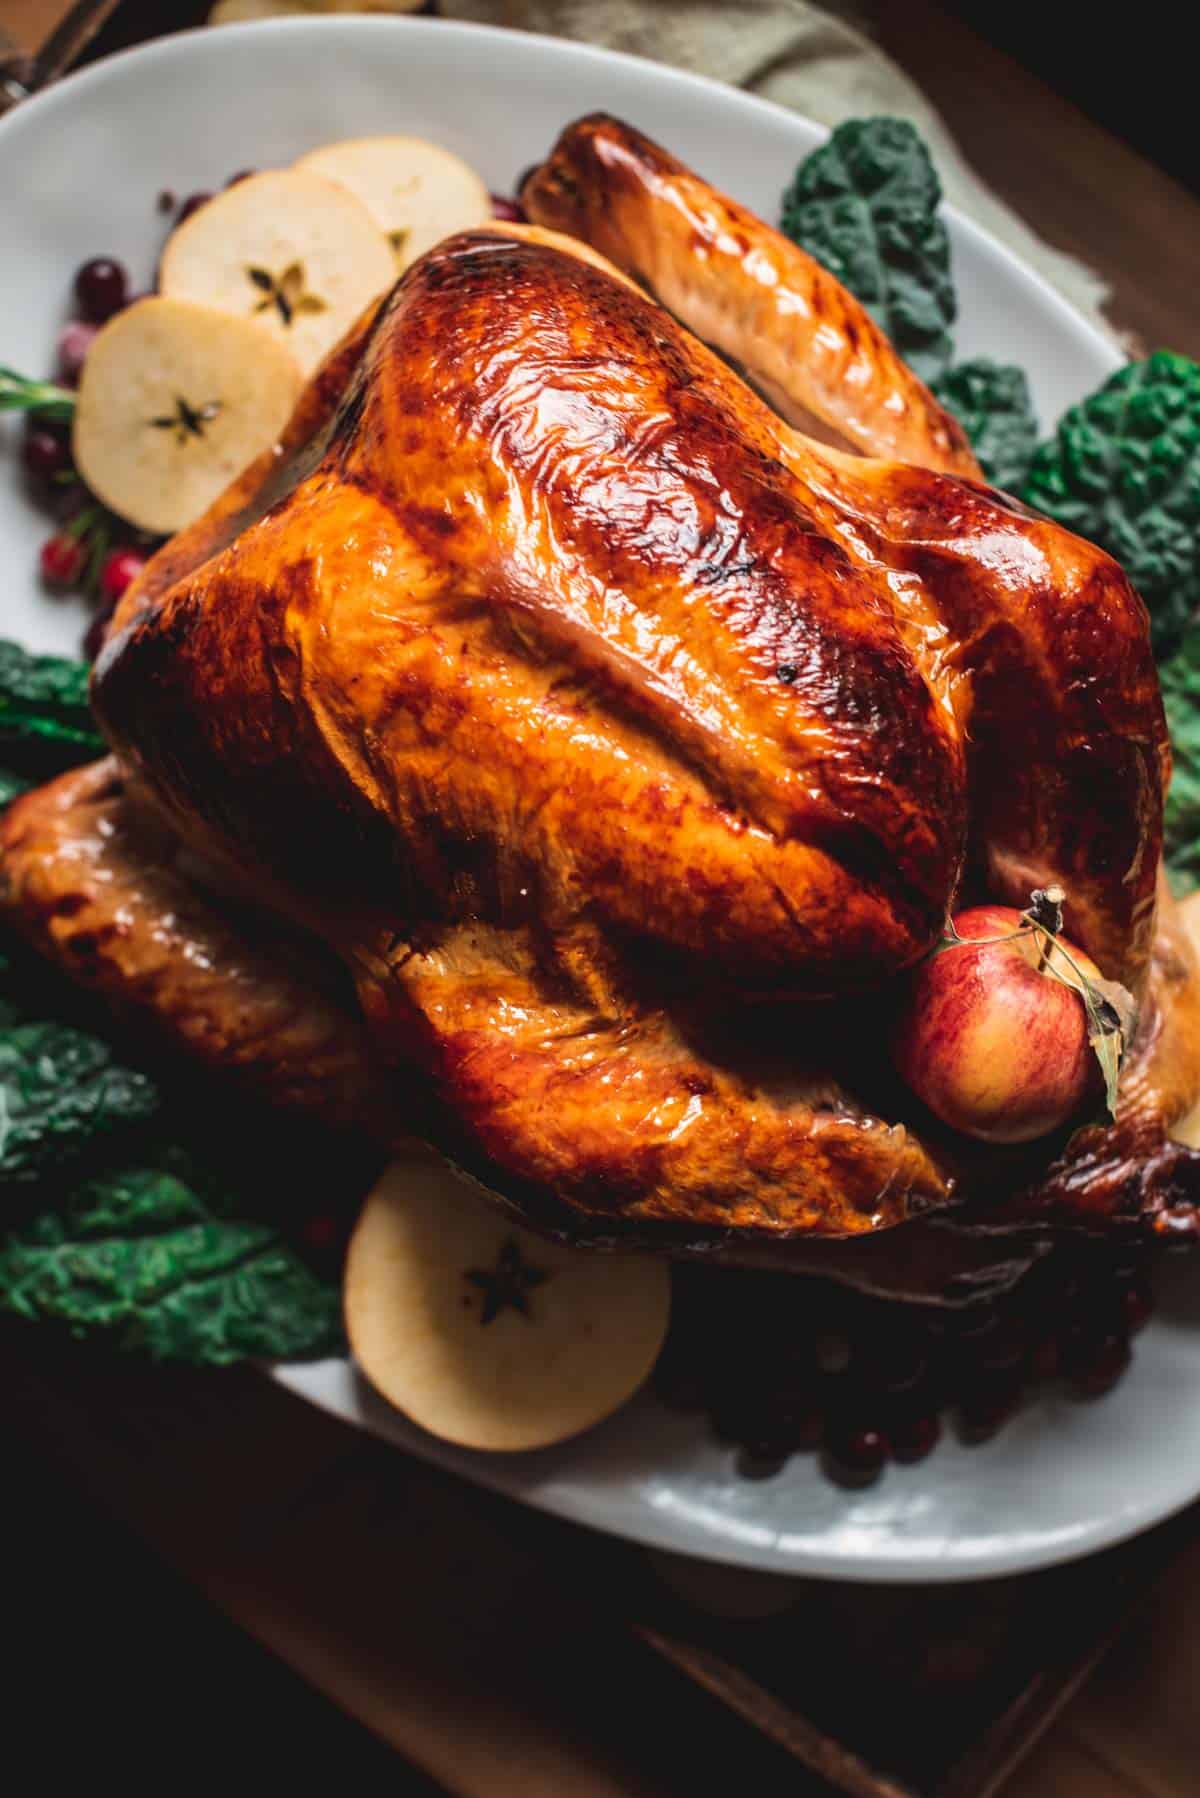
{"x":584,"y":755}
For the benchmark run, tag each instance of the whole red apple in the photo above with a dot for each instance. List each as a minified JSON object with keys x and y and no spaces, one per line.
{"x":995,"y":1046}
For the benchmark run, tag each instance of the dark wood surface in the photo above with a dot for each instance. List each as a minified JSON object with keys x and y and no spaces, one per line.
{"x":171,"y":1530}
{"x":1077,"y":184}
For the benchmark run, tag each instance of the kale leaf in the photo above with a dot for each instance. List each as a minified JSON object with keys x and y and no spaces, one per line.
{"x":1123,"y":469}
{"x":119,"y":1230}
{"x":45,"y":721}
{"x":866,"y":206}
{"x":1180,"y":679}
{"x":992,"y":402}
{"x":141,"y":1257}
{"x":62,"y":1092}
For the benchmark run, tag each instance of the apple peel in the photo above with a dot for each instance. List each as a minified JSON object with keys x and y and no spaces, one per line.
{"x":1109,"y":1007}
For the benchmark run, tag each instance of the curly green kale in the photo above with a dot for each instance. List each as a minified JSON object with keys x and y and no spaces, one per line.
{"x":866,"y":206}
{"x":62,"y":1091}
{"x":116,"y":1229}
{"x":45,"y":720}
{"x":1123,"y":469}
{"x":144,"y":1258}
{"x":992,"y":402}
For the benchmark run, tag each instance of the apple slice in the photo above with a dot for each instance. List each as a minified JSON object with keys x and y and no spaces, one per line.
{"x":416,"y":192}
{"x":481,"y":1332}
{"x":236,"y":12}
{"x":174,"y":401}
{"x":296,"y":254}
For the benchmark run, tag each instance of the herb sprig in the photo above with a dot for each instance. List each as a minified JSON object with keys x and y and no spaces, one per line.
{"x":18,"y":393}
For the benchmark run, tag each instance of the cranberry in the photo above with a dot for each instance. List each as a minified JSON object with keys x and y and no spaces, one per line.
{"x":242,"y":175}
{"x":857,"y":1449}
{"x":102,"y":288}
{"x":61,"y":560}
{"x":1101,"y":1365}
{"x":982,"y":1411}
{"x":74,"y":342}
{"x":504,"y":208}
{"x":915,"y":1437}
{"x":120,"y":571}
{"x":45,"y":453}
{"x":193,"y":203}
{"x":765,"y":1449}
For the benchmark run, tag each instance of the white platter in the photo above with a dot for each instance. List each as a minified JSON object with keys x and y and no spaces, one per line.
{"x":80,"y":169}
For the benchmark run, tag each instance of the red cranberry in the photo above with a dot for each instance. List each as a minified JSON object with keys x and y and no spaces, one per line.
{"x":983,"y":1411}
{"x":193,"y":203}
{"x":1101,"y":1366}
{"x":857,"y":1448}
{"x":120,"y":571}
{"x":74,"y":342}
{"x":45,"y":453}
{"x":765,"y":1449}
{"x":102,"y":288}
{"x":504,"y":208}
{"x":1137,"y":1306}
{"x":61,"y":560}
{"x":914,"y":1438}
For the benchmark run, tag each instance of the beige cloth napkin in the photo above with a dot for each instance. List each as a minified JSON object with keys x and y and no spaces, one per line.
{"x":817,"y":60}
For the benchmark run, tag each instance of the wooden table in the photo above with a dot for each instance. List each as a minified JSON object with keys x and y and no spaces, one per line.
{"x":132,"y":1490}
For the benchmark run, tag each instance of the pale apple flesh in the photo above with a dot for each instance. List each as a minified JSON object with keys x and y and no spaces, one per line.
{"x":990,"y":1040}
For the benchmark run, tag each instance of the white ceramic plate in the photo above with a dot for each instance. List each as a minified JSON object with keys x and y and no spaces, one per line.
{"x":80,"y":169}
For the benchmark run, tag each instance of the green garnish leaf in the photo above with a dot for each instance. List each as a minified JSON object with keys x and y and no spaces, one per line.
{"x":866,"y":206}
{"x":992,"y":402}
{"x":45,"y":719}
{"x":1123,"y":469}
{"x":140,"y":1256}
{"x":63,"y":1094}
{"x":19,"y":394}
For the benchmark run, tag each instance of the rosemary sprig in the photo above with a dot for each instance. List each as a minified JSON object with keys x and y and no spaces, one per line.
{"x":19,"y":394}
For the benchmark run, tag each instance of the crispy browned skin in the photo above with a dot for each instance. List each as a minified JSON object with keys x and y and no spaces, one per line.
{"x":96,"y":884}
{"x":711,"y":1146}
{"x":803,"y":339}
{"x":566,"y":688}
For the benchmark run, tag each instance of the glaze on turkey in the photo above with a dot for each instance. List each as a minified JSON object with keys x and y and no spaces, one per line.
{"x":626,"y":746}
